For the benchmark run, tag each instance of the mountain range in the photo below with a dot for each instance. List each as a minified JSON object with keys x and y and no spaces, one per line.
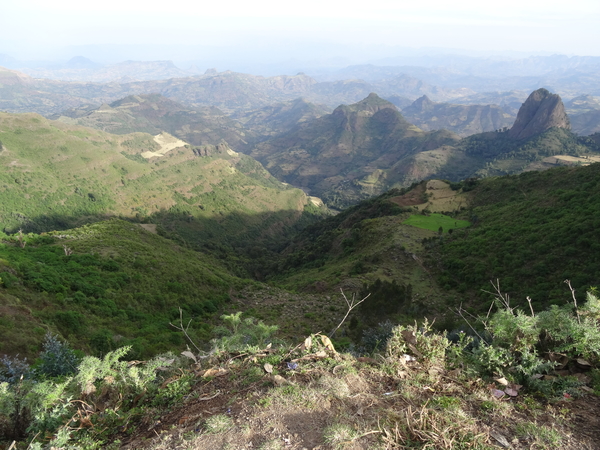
{"x":364,"y":148}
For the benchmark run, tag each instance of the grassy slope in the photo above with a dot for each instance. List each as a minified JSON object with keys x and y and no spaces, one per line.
{"x":121,"y":285}
{"x":57,"y":176}
{"x":532,"y":231}
{"x":369,"y":244}
{"x":434,"y":222}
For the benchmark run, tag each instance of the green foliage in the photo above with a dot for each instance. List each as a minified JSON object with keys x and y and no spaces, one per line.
{"x":386,"y":300}
{"x":532,"y":231}
{"x":119,"y":283}
{"x":418,"y":341}
{"x":518,"y":341}
{"x":243,"y":334}
{"x":313,"y":246}
{"x":56,"y":406}
{"x":14,"y":369}
{"x":57,"y":358}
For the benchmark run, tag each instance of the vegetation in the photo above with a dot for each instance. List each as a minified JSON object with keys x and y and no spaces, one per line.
{"x":436,"y":222}
{"x":60,"y":176}
{"x":86,"y":310}
{"x":105,"y":285}
{"x":531,"y":231}
{"x":424,"y":390}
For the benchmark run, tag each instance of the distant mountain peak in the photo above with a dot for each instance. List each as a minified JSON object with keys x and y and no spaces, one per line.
{"x":542,"y":110}
{"x":372,"y":103}
{"x":423,"y":103}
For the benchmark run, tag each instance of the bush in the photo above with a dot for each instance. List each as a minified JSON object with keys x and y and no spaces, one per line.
{"x":518,"y":340}
{"x":422,"y":342}
{"x":14,"y":369}
{"x":375,"y":339}
{"x":243,"y":334}
{"x":57,"y":358}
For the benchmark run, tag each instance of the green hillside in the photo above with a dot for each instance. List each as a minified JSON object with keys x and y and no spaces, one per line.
{"x":58,"y":176}
{"x":114,"y":289}
{"x":531,"y":231}
{"x":105,"y":285}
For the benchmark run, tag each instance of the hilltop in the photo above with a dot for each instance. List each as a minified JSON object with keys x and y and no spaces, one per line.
{"x":362,"y":149}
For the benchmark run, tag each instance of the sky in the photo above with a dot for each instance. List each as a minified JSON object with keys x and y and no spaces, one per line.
{"x":310,"y":29}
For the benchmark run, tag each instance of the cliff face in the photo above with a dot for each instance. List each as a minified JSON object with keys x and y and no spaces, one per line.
{"x":541,"y":111}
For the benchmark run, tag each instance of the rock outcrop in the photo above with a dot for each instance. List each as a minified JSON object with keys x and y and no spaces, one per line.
{"x":541,"y":111}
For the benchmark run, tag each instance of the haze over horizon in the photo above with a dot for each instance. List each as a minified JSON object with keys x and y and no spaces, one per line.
{"x":311,"y":34}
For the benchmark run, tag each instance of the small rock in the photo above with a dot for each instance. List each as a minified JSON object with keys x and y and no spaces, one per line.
{"x":279,"y":380}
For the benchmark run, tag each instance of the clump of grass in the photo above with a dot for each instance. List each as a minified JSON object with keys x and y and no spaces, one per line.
{"x":339,"y":435}
{"x":434,"y":429}
{"x":540,"y":435}
{"x":219,"y":423}
{"x":334,"y":386}
{"x":273,"y":444}
{"x":446,"y":402}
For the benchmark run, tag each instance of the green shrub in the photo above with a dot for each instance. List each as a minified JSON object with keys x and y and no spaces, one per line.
{"x":518,"y":340}
{"x":243,"y":334}
{"x":421,"y":342}
{"x":57,"y":358}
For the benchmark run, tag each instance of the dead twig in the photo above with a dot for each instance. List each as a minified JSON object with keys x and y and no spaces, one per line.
{"x":568,"y":282}
{"x":351,"y":306}
{"x":504,"y":298}
{"x":459,"y":311}
{"x":184,"y":329}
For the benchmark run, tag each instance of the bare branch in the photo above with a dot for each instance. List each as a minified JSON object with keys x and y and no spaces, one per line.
{"x":184,"y":329}
{"x":459,"y":311}
{"x":568,"y":282}
{"x":530,"y":307}
{"x":351,"y":306}
{"x":504,"y":298}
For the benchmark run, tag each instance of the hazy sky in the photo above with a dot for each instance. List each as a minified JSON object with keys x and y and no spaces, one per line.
{"x":42,"y":29}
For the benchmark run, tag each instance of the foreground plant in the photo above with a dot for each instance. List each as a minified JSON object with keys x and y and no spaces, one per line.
{"x":74,"y":407}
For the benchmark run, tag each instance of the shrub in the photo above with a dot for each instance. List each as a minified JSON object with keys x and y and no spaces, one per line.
{"x":375,"y":339}
{"x":14,"y":369}
{"x":518,"y":340}
{"x":243,"y":334}
{"x":420,"y":341}
{"x":57,"y":358}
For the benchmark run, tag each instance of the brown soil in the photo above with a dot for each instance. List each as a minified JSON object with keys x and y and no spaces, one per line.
{"x":414,"y":197}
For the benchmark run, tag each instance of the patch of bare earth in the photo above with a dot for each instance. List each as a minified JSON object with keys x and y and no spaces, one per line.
{"x":412,"y":198}
{"x":151,"y":227}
